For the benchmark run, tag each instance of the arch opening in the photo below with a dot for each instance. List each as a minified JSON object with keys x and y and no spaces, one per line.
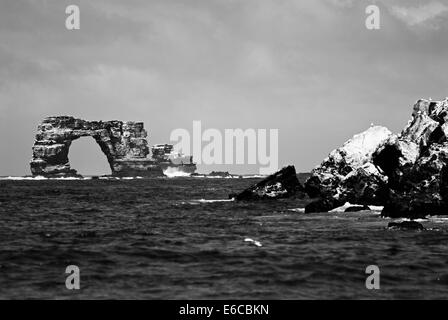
{"x":87,"y":158}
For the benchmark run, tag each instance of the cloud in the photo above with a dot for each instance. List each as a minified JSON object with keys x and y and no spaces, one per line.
{"x":424,"y":15}
{"x":305,"y":67}
{"x":342,"y":3}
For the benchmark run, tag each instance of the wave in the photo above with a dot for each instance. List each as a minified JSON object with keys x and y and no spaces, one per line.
{"x":116,"y":178}
{"x":217,"y":200}
{"x":233,"y":176}
{"x":38,"y":178}
{"x":254,"y":176}
{"x":302,"y":210}
{"x":342,"y":208}
{"x":172,"y":172}
{"x":23,"y":178}
{"x":409,"y":219}
{"x":207,"y":201}
{"x":435,"y":219}
{"x":348,"y":205}
{"x":255,"y":242}
{"x":204,"y":176}
{"x":219,"y":177}
{"x":42,"y":178}
{"x":438,"y":219}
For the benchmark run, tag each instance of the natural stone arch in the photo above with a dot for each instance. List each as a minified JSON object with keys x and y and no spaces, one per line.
{"x":123,"y":143}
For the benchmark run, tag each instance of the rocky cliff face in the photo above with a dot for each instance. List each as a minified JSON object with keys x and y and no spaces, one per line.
{"x":416,"y":163}
{"x":123,"y":143}
{"x":407,"y":173}
{"x":348,"y":174}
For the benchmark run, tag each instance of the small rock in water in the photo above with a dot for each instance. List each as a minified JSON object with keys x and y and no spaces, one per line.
{"x":357,"y":208}
{"x":323,"y":205}
{"x":282,"y":184}
{"x":222,"y":174}
{"x":405,"y":225}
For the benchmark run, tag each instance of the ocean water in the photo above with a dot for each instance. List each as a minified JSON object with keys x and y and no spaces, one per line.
{"x":169,"y":239}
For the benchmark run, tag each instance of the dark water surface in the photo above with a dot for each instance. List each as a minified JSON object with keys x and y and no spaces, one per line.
{"x":155,"y":239}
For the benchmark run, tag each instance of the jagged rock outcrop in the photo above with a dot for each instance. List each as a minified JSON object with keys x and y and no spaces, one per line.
{"x":416,"y":163}
{"x":406,"y":173}
{"x":349,"y":175}
{"x":399,"y":154}
{"x":421,"y":189}
{"x":123,"y":143}
{"x":282,"y":184}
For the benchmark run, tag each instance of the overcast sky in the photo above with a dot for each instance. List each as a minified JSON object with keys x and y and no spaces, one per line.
{"x":307,"y":67}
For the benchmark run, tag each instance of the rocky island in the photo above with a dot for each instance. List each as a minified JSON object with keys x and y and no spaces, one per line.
{"x":123,"y":143}
{"x":406,"y":173}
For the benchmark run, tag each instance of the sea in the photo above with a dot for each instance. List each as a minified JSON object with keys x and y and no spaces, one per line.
{"x":182,"y":238}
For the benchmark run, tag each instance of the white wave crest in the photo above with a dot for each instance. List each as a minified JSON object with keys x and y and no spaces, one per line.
{"x":302,"y":210}
{"x":217,"y":200}
{"x":348,"y":205}
{"x":232,"y":176}
{"x":23,"y":178}
{"x":342,"y":208}
{"x":257,"y":243}
{"x":172,"y":172}
{"x":37,"y":178}
{"x":254,"y":176}
{"x":409,"y":219}
{"x":438,"y":219}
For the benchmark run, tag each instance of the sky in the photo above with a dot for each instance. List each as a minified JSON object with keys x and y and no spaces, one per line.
{"x":309,"y":68}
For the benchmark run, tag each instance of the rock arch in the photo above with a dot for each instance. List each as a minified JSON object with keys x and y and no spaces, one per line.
{"x":123,"y":143}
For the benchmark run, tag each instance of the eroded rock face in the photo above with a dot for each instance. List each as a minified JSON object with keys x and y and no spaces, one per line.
{"x":406,"y":173}
{"x":348,"y":173}
{"x":416,"y":163}
{"x":123,"y":143}
{"x":399,"y":154}
{"x":423,"y":187}
{"x":282,"y":184}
